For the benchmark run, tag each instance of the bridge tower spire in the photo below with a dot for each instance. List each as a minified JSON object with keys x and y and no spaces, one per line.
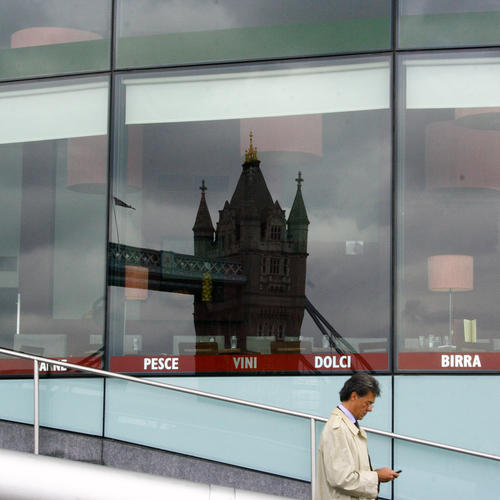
{"x":203,"y":228}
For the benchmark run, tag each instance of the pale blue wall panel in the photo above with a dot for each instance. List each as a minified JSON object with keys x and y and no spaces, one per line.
{"x":316,"y":395}
{"x":209,"y":429}
{"x":456,"y":410}
{"x":16,"y":400}
{"x":432,"y":474}
{"x":68,"y":404}
{"x":234,"y":434}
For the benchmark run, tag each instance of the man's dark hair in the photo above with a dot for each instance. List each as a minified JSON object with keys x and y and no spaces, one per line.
{"x":361,"y":383}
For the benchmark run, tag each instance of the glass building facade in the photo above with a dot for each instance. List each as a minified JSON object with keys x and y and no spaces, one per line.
{"x":255,"y":198}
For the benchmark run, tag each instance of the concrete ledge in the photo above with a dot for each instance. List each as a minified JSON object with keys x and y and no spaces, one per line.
{"x":96,"y":450}
{"x":53,"y":478}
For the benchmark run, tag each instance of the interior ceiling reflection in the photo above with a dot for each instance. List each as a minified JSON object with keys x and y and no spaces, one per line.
{"x":304,"y":91}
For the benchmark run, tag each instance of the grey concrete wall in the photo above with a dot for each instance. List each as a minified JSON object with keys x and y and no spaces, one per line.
{"x":93,"y":449}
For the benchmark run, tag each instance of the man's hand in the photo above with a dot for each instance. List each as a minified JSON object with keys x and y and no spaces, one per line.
{"x":385,"y":474}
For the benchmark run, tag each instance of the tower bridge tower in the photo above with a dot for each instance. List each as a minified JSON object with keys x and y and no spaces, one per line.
{"x":253,"y":230}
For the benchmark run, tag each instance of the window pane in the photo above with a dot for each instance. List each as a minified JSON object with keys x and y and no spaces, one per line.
{"x":53,"y":157}
{"x":449,"y":206}
{"x":46,"y":37}
{"x":237,"y":195}
{"x":159,"y":32}
{"x":448,"y":23}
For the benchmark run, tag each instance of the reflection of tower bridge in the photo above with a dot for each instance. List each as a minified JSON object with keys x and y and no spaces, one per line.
{"x":183,"y":273}
{"x":177,"y":265}
{"x":172,"y":272}
{"x":253,"y":262}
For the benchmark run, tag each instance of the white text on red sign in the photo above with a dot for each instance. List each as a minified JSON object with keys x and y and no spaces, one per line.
{"x":161,"y":363}
{"x":332,"y":361}
{"x":249,"y":363}
{"x":460,"y":361}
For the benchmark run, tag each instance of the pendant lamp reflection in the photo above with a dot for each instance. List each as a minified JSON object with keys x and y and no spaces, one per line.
{"x":465,"y":152}
{"x":136,"y":282}
{"x":88,"y":159}
{"x":87,"y":156}
{"x":478,"y":118}
{"x":284,"y":134}
{"x":49,"y":35}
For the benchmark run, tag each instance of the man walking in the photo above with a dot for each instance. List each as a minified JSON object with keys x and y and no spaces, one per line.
{"x":344,"y":469}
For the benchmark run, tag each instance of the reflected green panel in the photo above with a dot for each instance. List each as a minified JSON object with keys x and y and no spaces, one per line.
{"x":76,"y":57}
{"x":444,"y":30}
{"x":54,"y":37}
{"x":351,"y":35}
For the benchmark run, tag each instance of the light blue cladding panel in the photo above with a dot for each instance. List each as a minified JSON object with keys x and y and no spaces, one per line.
{"x":234,"y":434}
{"x":209,"y":429}
{"x":436,"y":474}
{"x":315,"y":395}
{"x":68,"y":404}
{"x":456,"y":410}
{"x":16,"y":400}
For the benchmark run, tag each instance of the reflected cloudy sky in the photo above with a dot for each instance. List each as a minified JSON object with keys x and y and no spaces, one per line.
{"x":143,"y":17}
{"x":346,"y":192}
{"x":409,"y":7}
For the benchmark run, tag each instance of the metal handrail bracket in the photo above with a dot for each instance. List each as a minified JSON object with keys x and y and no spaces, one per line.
{"x":36,"y":412}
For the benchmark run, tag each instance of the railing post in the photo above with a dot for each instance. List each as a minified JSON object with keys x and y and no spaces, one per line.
{"x":313,"y":457}
{"x":36,"y":424}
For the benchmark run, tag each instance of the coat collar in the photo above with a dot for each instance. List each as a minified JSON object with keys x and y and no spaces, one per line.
{"x":337,"y":411}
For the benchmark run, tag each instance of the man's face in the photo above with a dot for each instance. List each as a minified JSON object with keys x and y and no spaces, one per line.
{"x":361,"y":405}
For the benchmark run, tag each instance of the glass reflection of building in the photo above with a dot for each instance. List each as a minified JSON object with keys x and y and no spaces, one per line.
{"x":254,"y":231}
{"x":114,"y":112}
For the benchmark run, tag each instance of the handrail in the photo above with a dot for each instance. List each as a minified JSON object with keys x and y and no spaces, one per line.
{"x":312,"y":418}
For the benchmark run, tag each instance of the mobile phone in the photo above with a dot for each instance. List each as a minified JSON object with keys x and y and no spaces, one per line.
{"x":399,"y":471}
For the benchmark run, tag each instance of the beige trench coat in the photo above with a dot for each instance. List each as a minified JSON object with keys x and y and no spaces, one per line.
{"x":343,"y":467}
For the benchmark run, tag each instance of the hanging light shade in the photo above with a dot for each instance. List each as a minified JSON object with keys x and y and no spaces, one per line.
{"x":87,"y":156}
{"x":460,"y":157}
{"x":294,"y":134}
{"x":49,"y":35}
{"x":88,"y":159}
{"x":136,"y":282}
{"x":478,"y":118}
{"x":86,"y":164}
{"x":450,"y":273}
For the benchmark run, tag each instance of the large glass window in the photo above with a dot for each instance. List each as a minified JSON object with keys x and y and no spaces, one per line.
{"x":53,"y":171}
{"x":47,"y":37}
{"x":449,"y":212}
{"x":250,"y":219}
{"x":161,"y":32}
{"x":448,"y":23}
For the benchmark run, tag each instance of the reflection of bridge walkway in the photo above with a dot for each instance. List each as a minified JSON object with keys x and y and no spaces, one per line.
{"x":170,"y":271}
{"x":182,"y":273}
{"x":181,"y":266}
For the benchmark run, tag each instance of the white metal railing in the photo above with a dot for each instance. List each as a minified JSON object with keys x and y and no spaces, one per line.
{"x":312,"y":418}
